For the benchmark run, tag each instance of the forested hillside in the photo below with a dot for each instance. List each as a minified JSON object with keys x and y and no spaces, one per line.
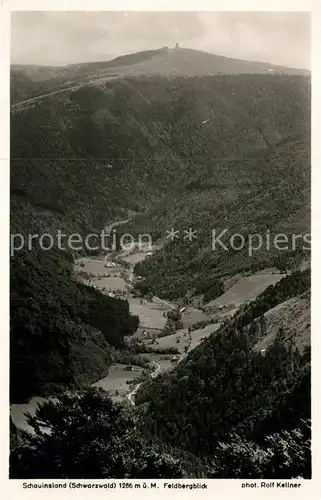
{"x":140,"y":146}
{"x":226,"y":411}
{"x":198,"y":150}
{"x":62,"y":332}
{"x":225,"y":391}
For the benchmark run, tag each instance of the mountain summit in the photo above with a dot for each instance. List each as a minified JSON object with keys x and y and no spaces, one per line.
{"x":166,"y":62}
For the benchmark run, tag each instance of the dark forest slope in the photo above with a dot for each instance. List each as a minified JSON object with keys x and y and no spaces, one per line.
{"x":226,"y":388}
{"x":108,"y":150}
{"x":61,"y":332}
{"x":224,"y":151}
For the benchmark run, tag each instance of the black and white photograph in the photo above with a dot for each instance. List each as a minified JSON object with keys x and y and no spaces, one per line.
{"x":160,"y":248}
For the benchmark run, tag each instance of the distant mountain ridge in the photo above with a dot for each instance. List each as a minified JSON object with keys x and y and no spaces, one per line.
{"x":30,"y":80}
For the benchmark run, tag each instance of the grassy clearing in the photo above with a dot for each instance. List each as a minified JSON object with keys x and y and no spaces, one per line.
{"x":18,"y":411}
{"x":295,"y":316}
{"x":247,"y":288}
{"x":97,"y":274}
{"x":136,"y":257}
{"x":112,"y":283}
{"x":164,"y":360}
{"x":150,"y":313}
{"x":192,"y":316}
{"x":117,"y":379}
{"x":89,"y":265}
{"x":179,"y":340}
{"x":182,"y":339}
{"x":198,"y":335}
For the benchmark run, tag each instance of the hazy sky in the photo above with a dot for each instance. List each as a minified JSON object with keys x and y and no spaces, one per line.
{"x":68,"y":37}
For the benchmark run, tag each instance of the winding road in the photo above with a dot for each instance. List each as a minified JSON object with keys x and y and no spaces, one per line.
{"x":168,"y":304}
{"x":21,"y":105}
{"x":131,"y":395}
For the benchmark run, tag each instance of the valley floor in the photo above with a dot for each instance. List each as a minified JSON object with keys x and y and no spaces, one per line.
{"x":115,"y":278}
